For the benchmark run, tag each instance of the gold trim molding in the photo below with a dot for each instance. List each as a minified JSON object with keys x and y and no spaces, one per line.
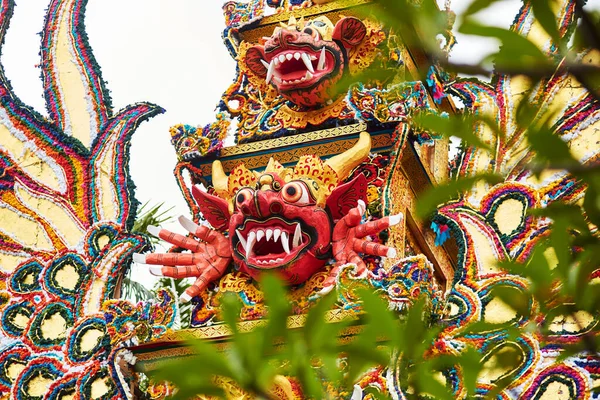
{"x":222,"y":331}
{"x":150,"y":360}
{"x":314,"y":10}
{"x":288,"y":149}
{"x":172,"y":344}
{"x":270,"y":144}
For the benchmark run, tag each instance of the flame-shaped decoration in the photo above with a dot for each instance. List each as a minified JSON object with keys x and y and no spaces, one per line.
{"x":66,"y":206}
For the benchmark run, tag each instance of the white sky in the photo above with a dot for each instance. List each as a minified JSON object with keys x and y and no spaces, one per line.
{"x":168,"y":52}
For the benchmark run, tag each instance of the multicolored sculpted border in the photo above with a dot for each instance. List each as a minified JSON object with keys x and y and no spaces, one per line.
{"x":67,"y":208}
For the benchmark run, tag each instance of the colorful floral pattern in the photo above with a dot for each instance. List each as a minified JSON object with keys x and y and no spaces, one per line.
{"x":492,"y":223}
{"x":67,"y":206}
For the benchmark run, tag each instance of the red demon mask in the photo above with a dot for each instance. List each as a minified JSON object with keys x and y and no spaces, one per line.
{"x":305,"y":60}
{"x":282,"y":219}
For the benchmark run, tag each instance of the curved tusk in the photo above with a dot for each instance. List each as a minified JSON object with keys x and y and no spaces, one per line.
{"x":345,"y":162}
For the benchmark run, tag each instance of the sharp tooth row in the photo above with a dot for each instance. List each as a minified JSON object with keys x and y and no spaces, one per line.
{"x":267,"y":262}
{"x":286,"y":57}
{"x":305,"y":77}
{"x":306,"y":58}
{"x":276,"y":234}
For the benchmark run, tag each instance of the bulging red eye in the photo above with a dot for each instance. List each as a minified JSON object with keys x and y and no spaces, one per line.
{"x":295,"y":193}
{"x":242,"y":196}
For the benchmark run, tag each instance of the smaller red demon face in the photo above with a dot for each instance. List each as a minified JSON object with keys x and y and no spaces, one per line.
{"x":305,"y":61}
{"x":279,"y":226}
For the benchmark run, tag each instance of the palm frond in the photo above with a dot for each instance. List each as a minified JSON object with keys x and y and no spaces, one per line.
{"x":135,"y":291}
{"x":152,"y":215}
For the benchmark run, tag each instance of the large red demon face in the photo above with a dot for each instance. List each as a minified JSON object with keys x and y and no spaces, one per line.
{"x":279,"y":226}
{"x":305,"y":61}
{"x":282,"y":219}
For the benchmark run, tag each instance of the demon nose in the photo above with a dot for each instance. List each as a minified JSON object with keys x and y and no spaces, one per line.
{"x":268,"y":203}
{"x":260,"y":204}
{"x":281,"y":38}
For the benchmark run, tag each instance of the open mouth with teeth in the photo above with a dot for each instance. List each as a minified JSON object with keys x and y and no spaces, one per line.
{"x":270,"y":244}
{"x":300,"y":68}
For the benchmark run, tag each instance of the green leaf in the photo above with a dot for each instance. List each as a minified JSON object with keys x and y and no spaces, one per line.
{"x":478,"y":5}
{"x":514,"y":298}
{"x":206,"y":363}
{"x":439,"y":195}
{"x":375,"y":393}
{"x":516,"y":51}
{"x":230,"y":309}
{"x":549,"y":148}
{"x":545,"y":16}
{"x":378,"y":316}
{"x":302,"y":368}
{"x":363,"y":353}
{"x":429,"y":386}
{"x":459,"y":126}
{"x":279,"y":308}
{"x":470,"y":362}
{"x":213,"y":360}
{"x":591,"y":202}
{"x":316,"y":329}
{"x":331,"y":368}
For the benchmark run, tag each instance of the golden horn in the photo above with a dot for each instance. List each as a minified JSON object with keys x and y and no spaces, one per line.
{"x":219,"y":178}
{"x":345,"y":162}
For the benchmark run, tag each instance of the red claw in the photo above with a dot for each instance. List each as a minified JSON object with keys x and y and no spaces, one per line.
{"x":207,"y":262}
{"x":348,"y":240}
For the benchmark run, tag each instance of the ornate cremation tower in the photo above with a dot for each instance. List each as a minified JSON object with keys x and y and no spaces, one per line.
{"x":321,"y":186}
